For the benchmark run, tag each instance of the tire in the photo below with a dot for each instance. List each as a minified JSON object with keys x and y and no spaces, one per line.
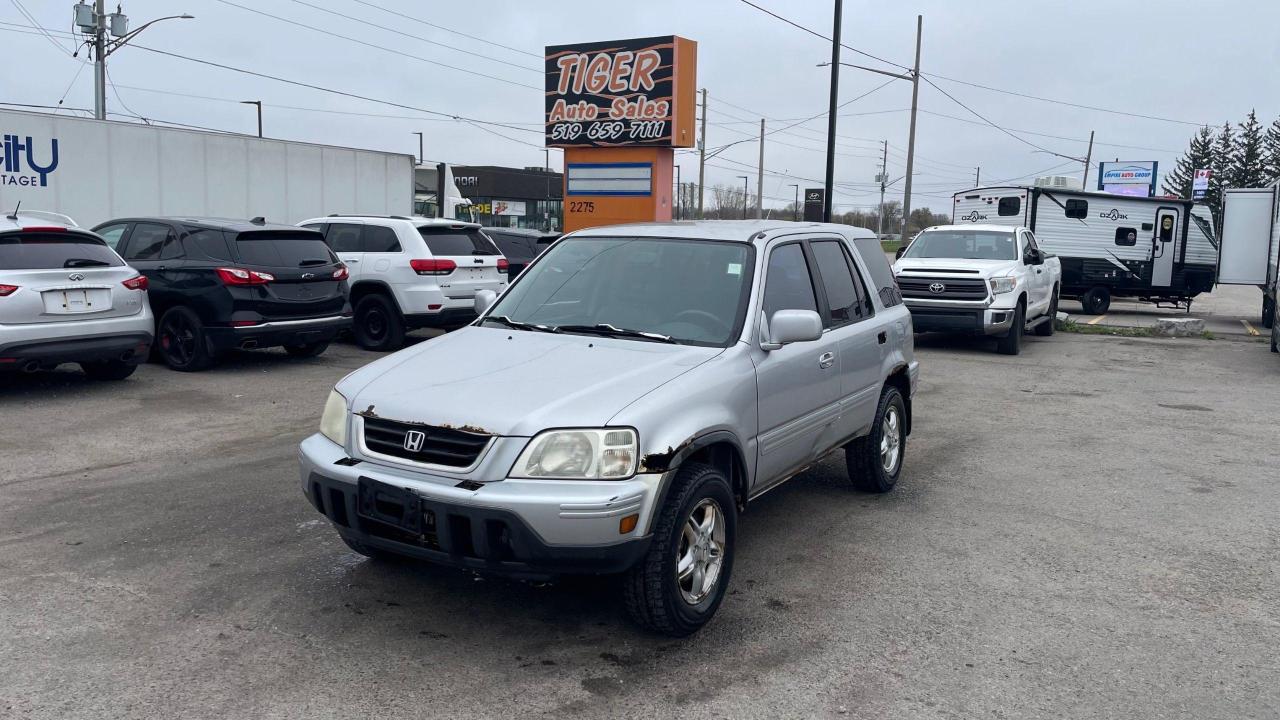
{"x":656,"y":596}
{"x":181,"y":339}
{"x":1045,"y":329}
{"x":108,"y":370}
{"x":1096,"y":301}
{"x":866,"y":458}
{"x":378,"y":325}
{"x":1268,"y":312}
{"x":307,"y":350}
{"x":1011,"y":343}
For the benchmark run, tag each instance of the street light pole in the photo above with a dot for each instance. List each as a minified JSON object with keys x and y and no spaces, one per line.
{"x":258,"y":103}
{"x":746,"y":195}
{"x":911,"y":138}
{"x":831,"y":112}
{"x":795,"y":208}
{"x":760,"y":177}
{"x":102,"y":49}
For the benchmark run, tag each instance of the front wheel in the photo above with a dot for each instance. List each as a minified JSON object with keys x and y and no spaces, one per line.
{"x":1045,"y":329}
{"x":677,"y":586}
{"x":1011,"y":343}
{"x":874,"y":461}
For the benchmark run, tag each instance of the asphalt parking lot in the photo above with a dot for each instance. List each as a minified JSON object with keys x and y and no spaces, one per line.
{"x":1086,"y":530}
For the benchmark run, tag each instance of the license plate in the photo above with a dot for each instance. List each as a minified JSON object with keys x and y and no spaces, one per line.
{"x":391,"y":505}
{"x":72,"y":301}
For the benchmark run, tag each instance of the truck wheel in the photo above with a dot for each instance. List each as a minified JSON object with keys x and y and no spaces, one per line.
{"x":874,"y":460}
{"x":1045,"y":329}
{"x":377,"y":324}
{"x":307,"y":350}
{"x":108,"y":370}
{"x":1011,"y":343}
{"x":180,"y":337}
{"x":1096,"y":301}
{"x":677,"y":586}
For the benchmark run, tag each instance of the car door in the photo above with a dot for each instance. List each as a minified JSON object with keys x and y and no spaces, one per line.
{"x":381,"y":247}
{"x":859,"y":338}
{"x":1041,"y":279}
{"x":798,"y":385}
{"x":153,"y":249}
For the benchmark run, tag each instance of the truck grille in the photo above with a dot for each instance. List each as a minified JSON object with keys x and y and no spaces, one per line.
{"x":952,"y":288}
{"x":437,"y":446}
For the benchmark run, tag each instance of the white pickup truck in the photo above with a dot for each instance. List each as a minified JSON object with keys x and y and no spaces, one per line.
{"x":980,"y":279}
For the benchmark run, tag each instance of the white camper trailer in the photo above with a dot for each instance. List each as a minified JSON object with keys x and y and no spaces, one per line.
{"x":1159,"y":250}
{"x":1251,"y":242}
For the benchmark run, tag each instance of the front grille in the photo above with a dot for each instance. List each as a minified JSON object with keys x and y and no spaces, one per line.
{"x":439,"y":446}
{"x":952,"y":288}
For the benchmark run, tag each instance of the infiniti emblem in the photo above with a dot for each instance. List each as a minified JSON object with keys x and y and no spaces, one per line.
{"x":937,"y":288}
{"x":77,"y":277}
{"x":413,"y":440}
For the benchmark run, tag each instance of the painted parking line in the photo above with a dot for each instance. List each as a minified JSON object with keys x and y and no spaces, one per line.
{"x":1096,"y":320}
{"x":1249,"y":328}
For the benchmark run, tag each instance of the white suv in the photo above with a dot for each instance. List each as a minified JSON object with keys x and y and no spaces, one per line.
{"x":411,"y":272}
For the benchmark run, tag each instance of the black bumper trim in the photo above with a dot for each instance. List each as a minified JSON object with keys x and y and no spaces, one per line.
{"x":448,"y":318}
{"x":483,"y":539}
{"x":947,"y":320}
{"x":84,"y":349}
{"x":227,"y":338}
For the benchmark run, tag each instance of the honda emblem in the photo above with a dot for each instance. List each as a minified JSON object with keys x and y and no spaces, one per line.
{"x":937,"y":288}
{"x":413,"y":440}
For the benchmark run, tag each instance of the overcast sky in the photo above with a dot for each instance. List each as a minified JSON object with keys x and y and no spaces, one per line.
{"x":1198,"y":62}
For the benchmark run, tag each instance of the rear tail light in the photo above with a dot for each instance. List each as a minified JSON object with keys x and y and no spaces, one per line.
{"x":433,"y":267}
{"x":44,"y":228}
{"x":136,"y":283}
{"x":341,"y":273}
{"x":240,"y":276}
{"x":503,"y":265}
{"x":7,"y":290}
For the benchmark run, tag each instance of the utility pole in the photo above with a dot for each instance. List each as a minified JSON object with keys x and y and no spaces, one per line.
{"x":746,"y":195}
{"x":831,"y":112}
{"x":259,"y":104}
{"x":795,"y":208}
{"x":1088,"y":158}
{"x":702,"y":154}
{"x":679,"y":192}
{"x":100,"y":61}
{"x":92,"y":20}
{"x":911,"y":139}
{"x":884,"y":178}
{"x":760,"y":177}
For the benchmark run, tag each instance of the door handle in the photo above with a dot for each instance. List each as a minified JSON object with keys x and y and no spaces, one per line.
{"x":882,"y":338}
{"x":826,"y":360}
{"x":351,"y":262}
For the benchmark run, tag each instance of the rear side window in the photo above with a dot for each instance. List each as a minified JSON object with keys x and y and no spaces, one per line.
{"x":344,"y":237}
{"x":881,"y":274}
{"x":203,"y":243}
{"x":1077,"y":208}
{"x":112,"y":234}
{"x":380,"y":239}
{"x":844,"y":296}
{"x":148,"y":241}
{"x":514,"y":248}
{"x":52,"y":251}
{"x":787,"y":284}
{"x":1009,"y":206}
{"x":282,"y":248}
{"x":457,"y":241}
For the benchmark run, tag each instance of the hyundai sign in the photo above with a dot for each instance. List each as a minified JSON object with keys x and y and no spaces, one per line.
{"x":1128,"y":178}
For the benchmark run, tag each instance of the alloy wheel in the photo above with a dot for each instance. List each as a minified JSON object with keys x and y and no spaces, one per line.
{"x":700,"y":556}
{"x":890,"y":441}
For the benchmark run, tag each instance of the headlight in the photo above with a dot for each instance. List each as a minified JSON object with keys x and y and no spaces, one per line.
{"x":333,"y":423}
{"x":587,"y":454}
{"x":1003,"y":285}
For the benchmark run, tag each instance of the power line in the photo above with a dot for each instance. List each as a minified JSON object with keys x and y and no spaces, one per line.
{"x":449,"y":30}
{"x":817,"y":34}
{"x":22,"y":10}
{"x":1055,"y":137}
{"x":983,"y":118}
{"x":376,"y":46}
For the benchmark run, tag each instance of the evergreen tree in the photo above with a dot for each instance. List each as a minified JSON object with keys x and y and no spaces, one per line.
{"x":1271,"y":154}
{"x":1199,"y":155}
{"x":1223,"y":149}
{"x":1246,"y":163}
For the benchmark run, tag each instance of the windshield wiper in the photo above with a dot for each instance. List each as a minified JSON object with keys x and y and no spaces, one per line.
{"x":519,"y":325}
{"x":312,"y":262}
{"x":481,"y":252}
{"x":84,"y":262}
{"x":608,"y":330}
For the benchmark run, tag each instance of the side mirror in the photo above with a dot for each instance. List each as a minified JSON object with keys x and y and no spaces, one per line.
{"x":1033,"y":257}
{"x":792,"y":326}
{"x":484,"y":299}
{"x":901,"y":251}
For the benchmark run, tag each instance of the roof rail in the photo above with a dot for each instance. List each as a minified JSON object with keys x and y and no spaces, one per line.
{"x":356,"y":215}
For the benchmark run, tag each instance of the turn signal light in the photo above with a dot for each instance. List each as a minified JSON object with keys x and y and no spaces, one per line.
{"x":240,"y":276}
{"x":136,"y":283}
{"x":7,"y":290}
{"x":433,"y":267}
{"x":627,"y":524}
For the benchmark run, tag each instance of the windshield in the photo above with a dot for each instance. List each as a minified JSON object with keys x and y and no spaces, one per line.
{"x":964,"y":244}
{"x":692,"y":291}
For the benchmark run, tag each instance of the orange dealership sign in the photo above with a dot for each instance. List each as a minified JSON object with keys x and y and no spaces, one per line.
{"x":637,"y":92}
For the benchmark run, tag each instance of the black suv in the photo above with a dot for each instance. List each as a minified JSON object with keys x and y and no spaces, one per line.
{"x":520,"y":246}
{"x":218,"y":285}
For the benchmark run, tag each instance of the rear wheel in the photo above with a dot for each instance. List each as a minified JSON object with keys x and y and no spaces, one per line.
{"x":377,"y":324}
{"x":1096,"y":301}
{"x":307,"y":350}
{"x":108,"y":370}
{"x":1045,"y":329}
{"x":874,"y":461}
{"x":180,"y":338}
{"x":677,"y":586}
{"x":1011,"y":343}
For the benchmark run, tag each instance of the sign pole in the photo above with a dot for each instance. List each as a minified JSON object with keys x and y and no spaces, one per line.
{"x":760,"y":177}
{"x":831,"y":113}
{"x":702,"y":153}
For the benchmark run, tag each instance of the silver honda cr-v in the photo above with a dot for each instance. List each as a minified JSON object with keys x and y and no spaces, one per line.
{"x":621,"y":403}
{"x":66,"y":297}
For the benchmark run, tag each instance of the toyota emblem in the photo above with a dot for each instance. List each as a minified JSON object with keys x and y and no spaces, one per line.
{"x":413,"y":440}
{"x":937,"y":288}
{"x":76,"y":277}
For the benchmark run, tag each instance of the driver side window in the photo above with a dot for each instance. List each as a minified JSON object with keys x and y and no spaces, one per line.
{"x":788,"y":284}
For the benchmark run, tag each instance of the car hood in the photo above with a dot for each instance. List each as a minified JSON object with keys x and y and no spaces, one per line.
{"x":516,"y":383}
{"x":967,"y":268}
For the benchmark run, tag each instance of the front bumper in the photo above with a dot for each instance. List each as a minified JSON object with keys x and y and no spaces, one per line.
{"x":975,"y":319}
{"x":519,"y":528}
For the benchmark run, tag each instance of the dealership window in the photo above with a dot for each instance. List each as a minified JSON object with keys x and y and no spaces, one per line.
{"x":1126,"y":236}
{"x":1009,"y":206}
{"x":1078,"y":209}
